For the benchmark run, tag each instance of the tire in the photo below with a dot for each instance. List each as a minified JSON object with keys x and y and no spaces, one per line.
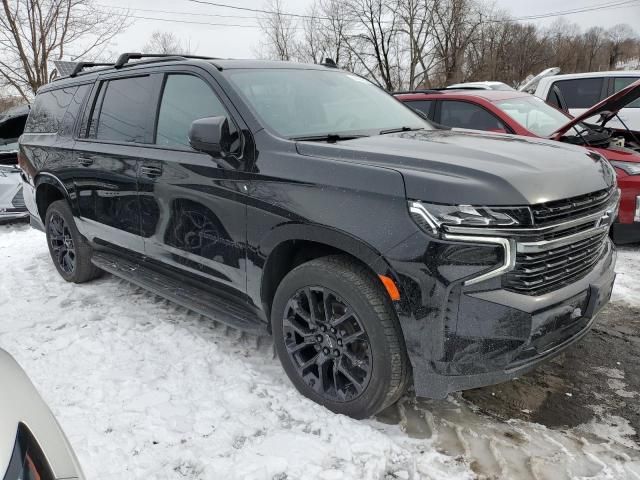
{"x":70,"y":251}
{"x":360,"y":367}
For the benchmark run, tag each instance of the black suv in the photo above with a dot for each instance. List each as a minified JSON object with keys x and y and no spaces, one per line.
{"x":304,"y":202}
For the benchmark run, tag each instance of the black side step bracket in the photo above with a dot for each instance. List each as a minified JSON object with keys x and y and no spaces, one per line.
{"x":200,"y":301}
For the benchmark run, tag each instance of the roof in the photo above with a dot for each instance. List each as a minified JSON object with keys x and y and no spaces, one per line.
{"x":489,"y":95}
{"x":613,"y":73}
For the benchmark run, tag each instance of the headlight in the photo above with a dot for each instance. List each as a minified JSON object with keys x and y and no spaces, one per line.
{"x":628,"y":167}
{"x":27,"y":460}
{"x":431,"y":217}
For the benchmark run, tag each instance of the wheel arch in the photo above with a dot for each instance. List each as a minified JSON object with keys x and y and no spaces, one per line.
{"x":293,"y":244}
{"x":48,"y":190}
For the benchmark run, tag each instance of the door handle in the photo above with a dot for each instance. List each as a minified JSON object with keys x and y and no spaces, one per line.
{"x":85,"y":161}
{"x":151,"y":171}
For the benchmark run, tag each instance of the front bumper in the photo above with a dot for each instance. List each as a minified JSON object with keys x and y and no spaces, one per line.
{"x":460,"y":337}
{"x":623,"y":233}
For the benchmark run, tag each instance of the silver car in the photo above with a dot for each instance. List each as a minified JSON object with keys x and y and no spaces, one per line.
{"x":32,"y":444}
{"x":12,"y":205}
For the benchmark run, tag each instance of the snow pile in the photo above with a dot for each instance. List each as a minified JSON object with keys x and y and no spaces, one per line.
{"x":144,"y":389}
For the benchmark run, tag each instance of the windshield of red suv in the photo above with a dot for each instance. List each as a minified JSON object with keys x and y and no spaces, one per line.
{"x":300,"y":103}
{"x":534,"y":114}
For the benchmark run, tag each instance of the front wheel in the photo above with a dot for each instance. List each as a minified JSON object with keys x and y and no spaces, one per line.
{"x":70,"y":252}
{"x":338,"y":338}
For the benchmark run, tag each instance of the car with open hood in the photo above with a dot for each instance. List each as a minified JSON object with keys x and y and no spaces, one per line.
{"x":576,"y":93}
{"x":12,"y":123}
{"x":524,"y":114}
{"x":32,"y":444}
{"x":306,"y":203}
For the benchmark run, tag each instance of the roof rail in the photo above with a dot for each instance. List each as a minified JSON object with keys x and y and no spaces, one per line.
{"x":426,"y":90}
{"x":124,"y":58}
{"x":82,"y":65}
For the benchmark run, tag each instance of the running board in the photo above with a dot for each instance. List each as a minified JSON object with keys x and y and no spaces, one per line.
{"x":200,"y":301}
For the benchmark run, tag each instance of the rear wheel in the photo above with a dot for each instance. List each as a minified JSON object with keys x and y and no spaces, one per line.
{"x":70,"y":252}
{"x":338,"y":338}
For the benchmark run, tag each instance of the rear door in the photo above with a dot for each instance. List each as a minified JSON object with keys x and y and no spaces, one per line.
{"x":193,"y":205}
{"x":111,"y":146}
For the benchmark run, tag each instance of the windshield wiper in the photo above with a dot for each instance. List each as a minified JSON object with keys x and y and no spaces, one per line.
{"x":399,"y":129}
{"x":328,"y":137}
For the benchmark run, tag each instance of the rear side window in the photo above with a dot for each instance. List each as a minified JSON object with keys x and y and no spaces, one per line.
{"x":467,"y":115}
{"x":49,"y":109}
{"x":185,"y":98}
{"x":423,"y":106}
{"x":73,"y":111}
{"x":124,"y":105}
{"x":581,"y":92}
{"x":620,"y":82}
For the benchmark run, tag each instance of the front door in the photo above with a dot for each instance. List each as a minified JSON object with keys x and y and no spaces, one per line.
{"x":193,"y":206}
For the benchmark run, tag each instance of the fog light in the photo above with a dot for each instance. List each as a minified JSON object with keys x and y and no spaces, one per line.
{"x":636,"y":218}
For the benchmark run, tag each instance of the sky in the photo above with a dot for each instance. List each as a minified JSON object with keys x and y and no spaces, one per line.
{"x":243,"y":38}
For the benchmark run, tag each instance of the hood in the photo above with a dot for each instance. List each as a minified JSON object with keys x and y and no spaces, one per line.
{"x":21,"y":403}
{"x":475,"y":168}
{"x":607,"y":108}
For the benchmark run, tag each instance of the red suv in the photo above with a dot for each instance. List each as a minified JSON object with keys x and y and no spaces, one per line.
{"x":519,"y":113}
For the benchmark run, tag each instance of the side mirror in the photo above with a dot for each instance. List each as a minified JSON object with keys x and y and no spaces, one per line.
{"x":210,"y":135}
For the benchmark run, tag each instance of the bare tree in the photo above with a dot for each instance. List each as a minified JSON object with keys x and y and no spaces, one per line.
{"x":167,"y":42}
{"x":594,"y":41}
{"x":619,"y":36}
{"x":324,"y":30}
{"x":454,"y":24}
{"x":374,"y":42}
{"x":280,"y":32}
{"x":35,"y":32}
{"x":416,"y":19}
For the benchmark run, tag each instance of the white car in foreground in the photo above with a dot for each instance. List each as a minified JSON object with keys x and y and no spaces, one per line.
{"x":576,"y":93}
{"x":32,"y":444}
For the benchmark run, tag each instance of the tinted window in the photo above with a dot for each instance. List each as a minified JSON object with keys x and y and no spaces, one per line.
{"x":620,"y":82}
{"x":124,"y":115}
{"x":185,"y":98}
{"x":48,"y":110}
{"x":73,"y":111}
{"x":553,"y":99}
{"x":300,"y":102}
{"x":581,"y":92}
{"x":423,"y":106}
{"x":466,"y":115}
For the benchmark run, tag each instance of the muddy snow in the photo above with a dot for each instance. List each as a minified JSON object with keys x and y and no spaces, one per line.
{"x":145,"y":389}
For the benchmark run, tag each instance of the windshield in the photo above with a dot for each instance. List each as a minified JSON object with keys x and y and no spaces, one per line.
{"x":304,"y":103}
{"x":534,"y":114}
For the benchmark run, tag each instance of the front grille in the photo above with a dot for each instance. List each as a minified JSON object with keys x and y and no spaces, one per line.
{"x":571,"y":208}
{"x":18,"y":200}
{"x":536,"y":273}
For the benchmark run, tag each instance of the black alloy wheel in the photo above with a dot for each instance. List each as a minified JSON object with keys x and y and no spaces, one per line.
{"x":338,"y":337}
{"x":327,"y":343}
{"x":61,"y":242}
{"x":70,"y":251}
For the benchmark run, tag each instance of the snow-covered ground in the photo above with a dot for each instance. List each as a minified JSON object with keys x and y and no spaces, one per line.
{"x":147,"y":390}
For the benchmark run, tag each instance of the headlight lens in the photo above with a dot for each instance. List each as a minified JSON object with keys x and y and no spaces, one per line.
{"x":628,"y":167}
{"x":431,"y":217}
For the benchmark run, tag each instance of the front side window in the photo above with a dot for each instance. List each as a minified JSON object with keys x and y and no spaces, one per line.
{"x":299,"y":103}
{"x":467,"y":115}
{"x":124,"y":113}
{"x":581,"y":92}
{"x":534,"y":114}
{"x":185,"y":98}
{"x":621,"y":82}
